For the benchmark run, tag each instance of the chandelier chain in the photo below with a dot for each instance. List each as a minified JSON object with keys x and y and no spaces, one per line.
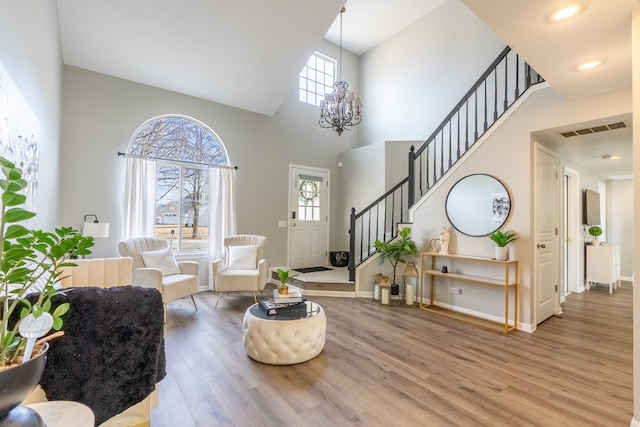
{"x":340,"y":109}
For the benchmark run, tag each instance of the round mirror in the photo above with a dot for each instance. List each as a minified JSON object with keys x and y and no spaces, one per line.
{"x":478,"y":204}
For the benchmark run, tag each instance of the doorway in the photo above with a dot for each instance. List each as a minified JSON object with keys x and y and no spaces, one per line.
{"x":546,"y":216}
{"x":570,"y":243}
{"x":308,"y":216}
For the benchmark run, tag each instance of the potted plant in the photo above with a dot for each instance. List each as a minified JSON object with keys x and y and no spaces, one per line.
{"x":502,"y":239}
{"x":595,"y":231}
{"x":29,"y":269}
{"x":396,"y":251}
{"x":283,"y":276}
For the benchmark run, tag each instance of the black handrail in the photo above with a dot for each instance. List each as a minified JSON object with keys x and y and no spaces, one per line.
{"x":444,"y":147}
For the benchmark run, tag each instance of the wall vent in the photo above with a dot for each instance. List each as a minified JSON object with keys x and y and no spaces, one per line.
{"x":594,"y":129}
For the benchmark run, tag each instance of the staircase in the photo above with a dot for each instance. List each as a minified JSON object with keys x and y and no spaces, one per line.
{"x":498,"y":88}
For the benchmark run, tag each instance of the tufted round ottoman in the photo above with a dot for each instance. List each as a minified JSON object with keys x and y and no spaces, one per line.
{"x":284,"y":341}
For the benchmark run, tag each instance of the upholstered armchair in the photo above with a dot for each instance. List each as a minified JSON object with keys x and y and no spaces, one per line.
{"x":154,"y":266}
{"x":243,"y":268}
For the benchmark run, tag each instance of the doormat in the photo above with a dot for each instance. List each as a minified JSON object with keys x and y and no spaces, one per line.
{"x":311,"y":269}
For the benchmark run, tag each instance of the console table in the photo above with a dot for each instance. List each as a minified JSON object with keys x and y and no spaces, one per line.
{"x":507,"y":269}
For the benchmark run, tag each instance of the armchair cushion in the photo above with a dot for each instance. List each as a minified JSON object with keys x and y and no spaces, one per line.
{"x":242,"y":257}
{"x":162,"y":259}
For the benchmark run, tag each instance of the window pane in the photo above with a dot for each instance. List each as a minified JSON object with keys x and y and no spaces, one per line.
{"x":309,"y":201}
{"x":167,"y":210}
{"x":194,"y":210}
{"x":318,"y":77}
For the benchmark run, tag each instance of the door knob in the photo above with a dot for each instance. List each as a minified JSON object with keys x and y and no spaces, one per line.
{"x":542,"y":245}
{"x":293,"y":224}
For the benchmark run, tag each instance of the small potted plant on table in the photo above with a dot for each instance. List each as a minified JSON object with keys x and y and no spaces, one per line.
{"x":502,"y":239}
{"x":595,"y":231}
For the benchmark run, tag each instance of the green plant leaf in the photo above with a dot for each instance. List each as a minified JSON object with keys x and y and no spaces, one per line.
{"x":61,"y":309}
{"x":14,"y":231}
{"x":17,"y":214}
{"x":13,"y":199}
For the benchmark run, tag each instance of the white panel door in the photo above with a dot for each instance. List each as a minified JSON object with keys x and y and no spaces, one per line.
{"x":308,"y":218}
{"x":546,"y":216}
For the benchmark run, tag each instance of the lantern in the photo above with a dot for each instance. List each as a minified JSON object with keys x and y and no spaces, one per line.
{"x":377,"y":278}
{"x":410,"y":282}
{"x":385,"y":290}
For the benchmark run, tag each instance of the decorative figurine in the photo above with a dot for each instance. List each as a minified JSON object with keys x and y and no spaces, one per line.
{"x":435,"y":245}
{"x":444,"y":240}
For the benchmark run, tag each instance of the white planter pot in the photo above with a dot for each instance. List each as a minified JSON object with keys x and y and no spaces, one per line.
{"x":501,"y":254}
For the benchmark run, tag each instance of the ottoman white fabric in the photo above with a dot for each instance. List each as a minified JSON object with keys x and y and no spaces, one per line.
{"x":284,"y":342}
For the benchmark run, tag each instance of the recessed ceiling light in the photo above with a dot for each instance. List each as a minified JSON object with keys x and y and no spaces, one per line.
{"x":566,"y":11}
{"x":589,"y":65}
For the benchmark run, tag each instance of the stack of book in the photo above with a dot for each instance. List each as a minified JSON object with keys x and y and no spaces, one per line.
{"x":291,"y":304}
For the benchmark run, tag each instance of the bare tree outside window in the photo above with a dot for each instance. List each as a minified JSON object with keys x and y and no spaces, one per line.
{"x":184,"y":149}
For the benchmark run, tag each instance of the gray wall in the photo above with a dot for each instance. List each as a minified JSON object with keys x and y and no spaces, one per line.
{"x":101,"y":113}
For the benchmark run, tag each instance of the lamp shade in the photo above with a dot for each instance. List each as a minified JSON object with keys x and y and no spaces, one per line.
{"x":96,"y":229}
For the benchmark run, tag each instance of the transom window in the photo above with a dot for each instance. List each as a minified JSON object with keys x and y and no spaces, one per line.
{"x":316,"y":78}
{"x":184,"y":149}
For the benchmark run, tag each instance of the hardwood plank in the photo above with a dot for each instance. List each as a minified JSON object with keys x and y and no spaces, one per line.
{"x":398,"y":365}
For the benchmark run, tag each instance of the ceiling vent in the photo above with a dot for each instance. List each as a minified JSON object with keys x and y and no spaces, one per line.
{"x":594,"y":129}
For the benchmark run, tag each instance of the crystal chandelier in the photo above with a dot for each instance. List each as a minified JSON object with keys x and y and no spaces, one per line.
{"x":340,"y":109}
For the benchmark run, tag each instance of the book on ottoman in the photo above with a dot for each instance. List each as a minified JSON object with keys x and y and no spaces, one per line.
{"x":271,"y":308}
{"x":288,"y":298}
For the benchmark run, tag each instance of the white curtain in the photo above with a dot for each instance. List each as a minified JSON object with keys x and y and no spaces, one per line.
{"x":222,"y":208}
{"x":139,"y":197}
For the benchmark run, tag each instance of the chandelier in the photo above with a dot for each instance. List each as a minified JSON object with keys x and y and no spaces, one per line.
{"x":340,"y":109}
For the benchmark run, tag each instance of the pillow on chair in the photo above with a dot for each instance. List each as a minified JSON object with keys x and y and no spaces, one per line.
{"x":243,"y":257}
{"x":162,"y":259}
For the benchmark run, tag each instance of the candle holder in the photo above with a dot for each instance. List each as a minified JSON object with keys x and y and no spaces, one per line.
{"x":410,"y":282}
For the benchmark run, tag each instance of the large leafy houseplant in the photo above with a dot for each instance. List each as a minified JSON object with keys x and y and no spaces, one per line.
{"x":396,"y":250}
{"x":29,"y":265}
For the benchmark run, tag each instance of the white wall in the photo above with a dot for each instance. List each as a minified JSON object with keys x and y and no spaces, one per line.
{"x":30,"y":52}
{"x":620,"y":222}
{"x":413,"y":80}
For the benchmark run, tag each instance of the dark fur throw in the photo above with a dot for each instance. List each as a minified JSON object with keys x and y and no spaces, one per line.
{"x":112,"y":353}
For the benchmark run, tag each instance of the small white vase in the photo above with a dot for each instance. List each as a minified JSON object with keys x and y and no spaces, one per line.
{"x":501,"y":253}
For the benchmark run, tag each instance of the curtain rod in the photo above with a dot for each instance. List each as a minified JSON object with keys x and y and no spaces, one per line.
{"x":120,"y":153}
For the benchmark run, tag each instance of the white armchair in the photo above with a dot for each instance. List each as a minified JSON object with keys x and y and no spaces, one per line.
{"x":244,"y":268}
{"x":154,"y":266}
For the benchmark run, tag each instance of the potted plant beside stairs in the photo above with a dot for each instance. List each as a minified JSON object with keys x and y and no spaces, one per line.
{"x":396,"y":251}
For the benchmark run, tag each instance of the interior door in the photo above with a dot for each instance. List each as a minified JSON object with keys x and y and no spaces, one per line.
{"x":308,"y":217}
{"x":546,"y":216}
{"x":571,"y":227}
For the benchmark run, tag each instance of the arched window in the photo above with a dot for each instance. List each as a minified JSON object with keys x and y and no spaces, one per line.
{"x":183,"y":151}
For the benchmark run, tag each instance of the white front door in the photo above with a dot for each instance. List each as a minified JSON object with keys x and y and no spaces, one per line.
{"x":308,"y":217}
{"x":546,"y":216}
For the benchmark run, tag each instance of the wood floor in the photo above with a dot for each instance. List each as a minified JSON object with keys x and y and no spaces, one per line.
{"x":399,"y":366}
